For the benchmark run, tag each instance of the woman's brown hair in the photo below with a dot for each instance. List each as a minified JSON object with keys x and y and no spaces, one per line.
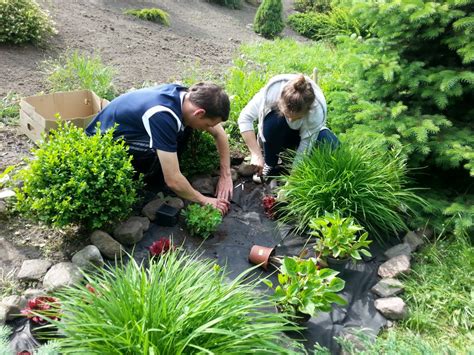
{"x":297,"y":96}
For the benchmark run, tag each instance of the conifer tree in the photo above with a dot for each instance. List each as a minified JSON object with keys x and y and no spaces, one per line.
{"x":268,"y":19}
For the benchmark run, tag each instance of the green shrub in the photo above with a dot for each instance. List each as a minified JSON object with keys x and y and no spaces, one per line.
{"x":202,"y":221}
{"x":200,"y":155}
{"x":74,"y":178}
{"x":268,"y":20}
{"x":75,"y":71}
{"x":312,"y":5}
{"x":356,"y":179}
{"x":233,"y":4}
{"x":10,"y":109}
{"x":24,"y":21}
{"x":178,"y":305}
{"x":153,"y":14}
{"x":326,"y":26}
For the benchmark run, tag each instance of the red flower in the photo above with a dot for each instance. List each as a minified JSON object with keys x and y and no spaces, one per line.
{"x":49,"y":306}
{"x":268,"y":202}
{"x":91,"y":289}
{"x":161,"y":246}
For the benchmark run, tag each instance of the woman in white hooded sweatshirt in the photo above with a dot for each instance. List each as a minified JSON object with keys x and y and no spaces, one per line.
{"x":291,"y":112}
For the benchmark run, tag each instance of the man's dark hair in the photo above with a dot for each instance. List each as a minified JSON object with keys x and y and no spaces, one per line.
{"x":212,"y":98}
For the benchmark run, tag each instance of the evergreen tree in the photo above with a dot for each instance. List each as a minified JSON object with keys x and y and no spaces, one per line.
{"x":268,"y":19}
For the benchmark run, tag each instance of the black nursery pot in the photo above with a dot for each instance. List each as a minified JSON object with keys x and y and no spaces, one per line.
{"x":167,"y":215}
{"x":337,"y":264}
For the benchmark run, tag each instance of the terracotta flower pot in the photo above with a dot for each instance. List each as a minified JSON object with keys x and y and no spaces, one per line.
{"x":260,"y":255}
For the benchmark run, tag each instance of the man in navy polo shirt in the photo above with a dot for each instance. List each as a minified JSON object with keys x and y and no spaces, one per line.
{"x":154,"y":121}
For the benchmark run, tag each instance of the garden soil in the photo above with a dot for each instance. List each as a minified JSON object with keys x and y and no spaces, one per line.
{"x":247,"y":225}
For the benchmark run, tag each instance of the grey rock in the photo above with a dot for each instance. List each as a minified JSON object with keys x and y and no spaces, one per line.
{"x":358,"y":337}
{"x":129,"y":232}
{"x":7,"y":193}
{"x":3,"y":210}
{"x":62,"y":275}
{"x":388,"y":287}
{"x":31,"y":293}
{"x":143,"y":220}
{"x":414,"y":240}
{"x":246,"y":170}
{"x":204,"y":184}
{"x":175,"y":202}
{"x":395,"y":266}
{"x":14,"y":304}
{"x":34,"y":269}
{"x":234,"y":174}
{"x":88,"y":258}
{"x":3,"y":314}
{"x":107,"y":245}
{"x":399,"y":249}
{"x":392,"y":308}
{"x":151,"y":207}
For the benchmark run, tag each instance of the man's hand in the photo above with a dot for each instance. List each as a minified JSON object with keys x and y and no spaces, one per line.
{"x":225,"y":187}
{"x":221,"y":204}
{"x":257,"y":162}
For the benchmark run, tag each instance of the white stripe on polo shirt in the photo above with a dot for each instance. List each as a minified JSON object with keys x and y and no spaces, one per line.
{"x":155,"y":109}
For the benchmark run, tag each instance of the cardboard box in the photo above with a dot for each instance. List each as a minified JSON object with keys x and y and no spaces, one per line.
{"x":38,"y":113}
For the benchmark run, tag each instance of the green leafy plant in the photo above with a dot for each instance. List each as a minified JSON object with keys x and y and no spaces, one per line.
{"x":338,"y":237}
{"x":359,"y":180}
{"x":200,"y":155}
{"x":312,"y":5}
{"x":176,"y":305}
{"x":76,"y":71}
{"x":268,"y":20}
{"x":24,"y":21}
{"x":74,"y":178}
{"x":201,"y":220}
{"x":10,"y":109}
{"x":303,"y":288}
{"x":233,"y":4}
{"x":50,"y":348}
{"x":153,"y":14}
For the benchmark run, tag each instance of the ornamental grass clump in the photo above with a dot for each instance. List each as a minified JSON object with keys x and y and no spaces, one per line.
{"x":356,"y":179}
{"x":202,"y":221}
{"x":153,"y":15}
{"x":76,"y":179}
{"x":178,"y":305}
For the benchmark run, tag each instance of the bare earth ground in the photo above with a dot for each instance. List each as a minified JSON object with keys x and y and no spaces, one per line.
{"x":201,"y":36}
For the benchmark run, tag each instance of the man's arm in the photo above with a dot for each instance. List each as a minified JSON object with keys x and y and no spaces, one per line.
{"x":224,"y":186}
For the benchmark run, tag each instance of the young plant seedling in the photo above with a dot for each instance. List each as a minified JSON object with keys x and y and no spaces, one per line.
{"x":202,"y":221}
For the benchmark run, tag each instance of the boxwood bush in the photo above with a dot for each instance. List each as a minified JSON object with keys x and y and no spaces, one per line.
{"x":356,"y":179}
{"x":76,"y":179}
{"x":200,"y":155}
{"x":233,"y":4}
{"x":24,"y":21}
{"x":269,"y":19}
{"x":178,"y":305}
{"x":153,"y":15}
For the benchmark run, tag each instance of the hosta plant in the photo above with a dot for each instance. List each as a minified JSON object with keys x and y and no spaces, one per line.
{"x":201,"y":221}
{"x":304,"y":289}
{"x":177,"y":305}
{"x":339,"y":237}
{"x":76,"y":179}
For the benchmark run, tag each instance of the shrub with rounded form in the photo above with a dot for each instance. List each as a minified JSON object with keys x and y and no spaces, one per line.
{"x":178,"y":305}
{"x":359,"y":180}
{"x":24,"y":21}
{"x":76,"y":179}
{"x":268,"y":19}
{"x":153,"y":15}
{"x":202,"y":221}
{"x":200,"y":155}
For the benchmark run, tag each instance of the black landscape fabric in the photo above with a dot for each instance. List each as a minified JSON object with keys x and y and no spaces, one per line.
{"x":246,"y":225}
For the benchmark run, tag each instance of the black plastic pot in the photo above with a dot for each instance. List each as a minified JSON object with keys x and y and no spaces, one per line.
{"x":337,"y":264}
{"x":167,"y":215}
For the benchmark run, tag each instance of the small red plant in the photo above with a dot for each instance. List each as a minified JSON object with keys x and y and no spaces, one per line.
{"x":43,"y":305}
{"x":161,"y":246}
{"x":91,"y":289}
{"x":268,"y":202}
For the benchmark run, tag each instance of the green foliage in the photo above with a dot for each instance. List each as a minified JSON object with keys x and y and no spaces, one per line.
{"x":153,"y":15}
{"x":200,"y":155}
{"x":202,"y":221}
{"x":177,"y":305}
{"x":312,"y":5}
{"x":326,"y":26}
{"x":303,"y":288}
{"x":360,"y":180}
{"x":24,"y":21}
{"x":78,"y":179}
{"x":339,"y":237}
{"x":50,"y":348}
{"x":76,"y":71}
{"x":10,"y":109}
{"x":268,"y":20}
{"x":233,"y":4}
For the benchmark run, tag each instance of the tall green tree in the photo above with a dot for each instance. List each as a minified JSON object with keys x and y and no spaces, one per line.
{"x":269,"y":19}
